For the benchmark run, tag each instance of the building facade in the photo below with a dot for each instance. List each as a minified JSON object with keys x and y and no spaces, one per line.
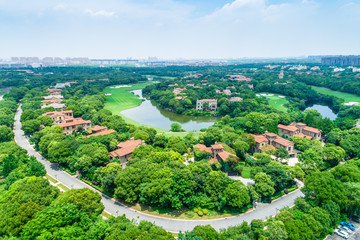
{"x":212,"y":104}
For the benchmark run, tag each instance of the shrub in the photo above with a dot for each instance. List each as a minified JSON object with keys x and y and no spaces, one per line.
{"x":200,"y":213}
{"x":195,"y":210}
{"x":205,"y":211}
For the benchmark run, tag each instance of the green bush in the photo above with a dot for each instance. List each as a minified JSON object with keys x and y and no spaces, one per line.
{"x":195,"y":210}
{"x":200,"y":213}
{"x":205,"y":211}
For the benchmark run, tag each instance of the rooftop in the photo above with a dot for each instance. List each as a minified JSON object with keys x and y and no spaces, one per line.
{"x":101,"y":133}
{"x":311,"y":129}
{"x":288,"y":128}
{"x":260,"y":138}
{"x":217,"y":147}
{"x":126,"y":148}
{"x":202,"y":147}
{"x":207,"y":100}
{"x":283,"y":141}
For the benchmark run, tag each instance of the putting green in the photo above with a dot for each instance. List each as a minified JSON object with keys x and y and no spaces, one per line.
{"x":347,"y":97}
{"x":275,"y":100}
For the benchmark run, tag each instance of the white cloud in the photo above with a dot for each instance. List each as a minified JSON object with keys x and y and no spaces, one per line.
{"x":100,"y":13}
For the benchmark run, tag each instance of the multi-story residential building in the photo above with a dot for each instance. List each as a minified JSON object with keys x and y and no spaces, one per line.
{"x":217,"y":152}
{"x":212,"y":104}
{"x":299,"y":130}
{"x":125,"y":150}
{"x":53,"y":97}
{"x":272,"y":141}
{"x":74,"y":124}
{"x":60,"y":117}
{"x":99,"y":131}
{"x":235,"y":99}
{"x":56,"y":106}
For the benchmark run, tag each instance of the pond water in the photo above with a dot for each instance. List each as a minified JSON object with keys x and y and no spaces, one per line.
{"x":150,"y":114}
{"x":325,"y":111}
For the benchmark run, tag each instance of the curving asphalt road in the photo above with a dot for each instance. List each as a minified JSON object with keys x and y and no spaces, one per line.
{"x":116,"y":208}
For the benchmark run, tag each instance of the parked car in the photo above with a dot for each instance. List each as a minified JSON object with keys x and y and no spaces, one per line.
{"x":343,"y":228}
{"x":342,"y":233}
{"x":347,"y":224}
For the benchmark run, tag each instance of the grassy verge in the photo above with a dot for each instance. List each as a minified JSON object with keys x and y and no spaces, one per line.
{"x":105,"y":214}
{"x":347,"y":97}
{"x":276,"y":101}
{"x":282,"y":193}
{"x":181,"y":134}
{"x":246,"y":172}
{"x":63,"y":187}
{"x":51,"y":178}
{"x":186,"y":213}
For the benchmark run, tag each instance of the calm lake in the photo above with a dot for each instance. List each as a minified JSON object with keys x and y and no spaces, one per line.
{"x":150,"y":114}
{"x":325,"y":111}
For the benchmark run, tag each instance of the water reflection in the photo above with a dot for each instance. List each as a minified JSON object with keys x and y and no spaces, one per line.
{"x":150,"y":114}
{"x":325,"y":111}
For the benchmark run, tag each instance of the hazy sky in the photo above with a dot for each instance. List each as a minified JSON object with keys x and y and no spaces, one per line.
{"x":178,"y":28}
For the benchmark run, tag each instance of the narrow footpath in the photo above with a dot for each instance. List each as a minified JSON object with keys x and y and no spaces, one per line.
{"x":169,"y":224}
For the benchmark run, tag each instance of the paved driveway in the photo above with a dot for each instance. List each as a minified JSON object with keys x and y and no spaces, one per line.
{"x":116,"y":208}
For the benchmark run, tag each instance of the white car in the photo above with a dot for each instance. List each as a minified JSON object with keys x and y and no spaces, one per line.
{"x":342,"y":233}
{"x":345,"y":229}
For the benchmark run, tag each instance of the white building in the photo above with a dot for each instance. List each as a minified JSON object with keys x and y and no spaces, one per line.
{"x":212,"y":104}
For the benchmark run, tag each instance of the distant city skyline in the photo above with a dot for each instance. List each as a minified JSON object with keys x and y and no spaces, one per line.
{"x":179,"y":29}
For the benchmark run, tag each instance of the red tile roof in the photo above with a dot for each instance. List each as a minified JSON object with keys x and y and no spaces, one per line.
{"x":75,"y":122}
{"x":260,"y":138}
{"x":288,"y":128}
{"x":235,"y":99}
{"x":224,"y":155}
{"x":301,"y":135}
{"x":217,"y":147}
{"x":105,"y":132}
{"x":283,"y":141}
{"x":54,"y":113}
{"x":51,"y":100}
{"x":271,"y":134}
{"x":207,"y":100}
{"x":202,"y":147}
{"x":126,"y":148}
{"x":96,"y":129}
{"x":311,"y":129}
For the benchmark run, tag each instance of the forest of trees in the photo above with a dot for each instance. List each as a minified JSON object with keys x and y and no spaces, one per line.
{"x":30,"y":208}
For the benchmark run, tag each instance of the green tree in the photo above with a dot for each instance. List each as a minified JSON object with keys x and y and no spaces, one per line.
{"x":84,"y":199}
{"x":321,"y":188}
{"x":241,"y":148}
{"x":237,"y":195}
{"x":6,"y":134}
{"x":263,"y":185}
{"x":30,"y":126}
{"x":206,"y":232}
{"x":282,"y":153}
{"x":45,"y":120}
{"x":9,"y":163}
{"x":175,"y":127}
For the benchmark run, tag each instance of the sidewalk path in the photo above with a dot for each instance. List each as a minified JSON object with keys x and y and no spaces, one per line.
{"x":116,"y":208}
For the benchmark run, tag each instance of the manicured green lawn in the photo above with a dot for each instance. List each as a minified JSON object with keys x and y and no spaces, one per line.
{"x":348,"y":97}
{"x":181,"y":134}
{"x":163,"y":77}
{"x":121,"y":99}
{"x":246,"y":172}
{"x":276,"y":101}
